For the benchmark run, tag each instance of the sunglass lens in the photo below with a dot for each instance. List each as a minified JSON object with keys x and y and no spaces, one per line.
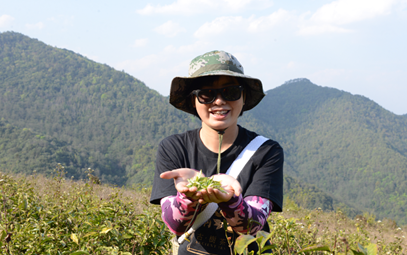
{"x":232,"y":93}
{"x":206,"y":95}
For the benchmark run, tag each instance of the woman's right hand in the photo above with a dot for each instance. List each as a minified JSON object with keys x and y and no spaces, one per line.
{"x":181,"y":176}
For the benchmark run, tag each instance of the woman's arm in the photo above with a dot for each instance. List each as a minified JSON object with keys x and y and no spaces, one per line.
{"x":178,"y":212}
{"x":246,"y":215}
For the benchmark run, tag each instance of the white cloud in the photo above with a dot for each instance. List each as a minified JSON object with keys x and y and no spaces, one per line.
{"x":321,"y":29}
{"x":38,"y":25}
{"x":171,"y":70}
{"x":170,"y":29}
{"x":220,"y":25}
{"x":348,"y":11}
{"x":237,"y":23}
{"x":291,"y":64}
{"x":5,"y":20}
{"x":190,"y":7}
{"x":133,"y":66}
{"x":65,"y":20}
{"x":331,"y":17}
{"x":140,"y":42}
{"x":267,"y":22}
{"x":197,"y":46}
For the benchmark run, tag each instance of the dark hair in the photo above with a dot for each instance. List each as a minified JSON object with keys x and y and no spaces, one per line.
{"x":208,"y":80}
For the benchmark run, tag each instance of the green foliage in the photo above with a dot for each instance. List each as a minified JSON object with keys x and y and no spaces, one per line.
{"x":59,"y":216}
{"x":23,"y":149}
{"x":346,"y":145}
{"x":299,"y":231}
{"x":310,"y":197}
{"x":57,"y":106}
{"x":80,"y":218}
{"x":202,"y":183}
{"x":99,"y":117}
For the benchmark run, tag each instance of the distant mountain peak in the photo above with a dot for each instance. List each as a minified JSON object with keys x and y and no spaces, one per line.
{"x":297,"y":80}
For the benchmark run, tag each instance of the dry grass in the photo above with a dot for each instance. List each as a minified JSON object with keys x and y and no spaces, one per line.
{"x":330,"y":224}
{"x":311,"y":226}
{"x":43,"y":186}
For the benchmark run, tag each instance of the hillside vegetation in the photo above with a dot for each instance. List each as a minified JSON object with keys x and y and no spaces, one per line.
{"x":56,"y":106}
{"x":59,"y":216}
{"x":346,"y":145}
{"x":112,"y":120}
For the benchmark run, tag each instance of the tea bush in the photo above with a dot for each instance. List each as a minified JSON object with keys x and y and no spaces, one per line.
{"x":59,"y":216}
{"x":77,"y":218}
{"x":299,"y":231}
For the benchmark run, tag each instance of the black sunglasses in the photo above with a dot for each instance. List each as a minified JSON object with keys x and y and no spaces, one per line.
{"x":208,"y":96}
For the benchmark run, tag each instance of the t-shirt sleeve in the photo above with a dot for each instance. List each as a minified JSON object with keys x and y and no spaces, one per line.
{"x":167,"y":159}
{"x":267,"y":179}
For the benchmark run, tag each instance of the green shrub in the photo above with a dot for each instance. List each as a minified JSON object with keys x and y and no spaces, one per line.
{"x":58,"y":216}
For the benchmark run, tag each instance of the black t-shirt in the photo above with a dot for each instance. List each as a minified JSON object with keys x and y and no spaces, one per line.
{"x":262,"y":176}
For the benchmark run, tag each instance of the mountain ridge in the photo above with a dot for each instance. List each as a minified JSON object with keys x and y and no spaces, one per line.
{"x":342,"y":144}
{"x":345,"y":144}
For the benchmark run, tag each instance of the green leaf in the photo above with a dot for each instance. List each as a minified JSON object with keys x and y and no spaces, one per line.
{"x":362,"y":249}
{"x":127,"y":236}
{"x":262,"y":237}
{"x":90,"y":234}
{"x":267,"y":247}
{"x":79,"y":252}
{"x":74,"y":238}
{"x":105,"y":230}
{"x":357,"y":252}
{"x":3,"y":235}
{"x":372,"y":249}
{"x":242,"y":242}
{"x":315,"y":248}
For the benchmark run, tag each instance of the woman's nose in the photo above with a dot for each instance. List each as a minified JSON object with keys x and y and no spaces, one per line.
{"x":219,"y":99}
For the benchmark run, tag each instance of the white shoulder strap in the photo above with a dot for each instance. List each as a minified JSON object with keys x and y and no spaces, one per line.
{"x":244,"y":157}
{"x":234,"y":170}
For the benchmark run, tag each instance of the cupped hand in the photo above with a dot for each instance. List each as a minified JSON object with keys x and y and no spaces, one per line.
{"x":228,"y":183}
{"x":181,"y":176}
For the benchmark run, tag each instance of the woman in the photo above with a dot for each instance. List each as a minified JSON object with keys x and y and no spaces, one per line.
{"x":217,"y":92}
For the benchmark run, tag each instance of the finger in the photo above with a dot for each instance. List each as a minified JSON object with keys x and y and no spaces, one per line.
{"x":204,"y":196}
{"x":219,"y":196}
{"x":237,"y":188}
{"x":202,"y":202}
{"x":182,"y":189}
{"x":191,"y":195}
{"x":213,"y":195}
{"x":170,"y":174}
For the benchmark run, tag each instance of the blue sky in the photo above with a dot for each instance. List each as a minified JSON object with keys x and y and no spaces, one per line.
{"x":353,"y":45}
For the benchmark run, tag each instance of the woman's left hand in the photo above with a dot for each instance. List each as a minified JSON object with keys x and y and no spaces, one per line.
{"x":228,"y":183}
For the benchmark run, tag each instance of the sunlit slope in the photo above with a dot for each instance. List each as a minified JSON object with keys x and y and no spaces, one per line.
{"x":345,"y":144}
{"x":111,"y":115}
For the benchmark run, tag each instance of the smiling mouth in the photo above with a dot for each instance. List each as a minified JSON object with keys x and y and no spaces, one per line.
{"x":220,"y":113}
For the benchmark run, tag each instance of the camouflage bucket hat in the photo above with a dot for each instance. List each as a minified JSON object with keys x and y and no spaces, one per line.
{"x":211,"y":64}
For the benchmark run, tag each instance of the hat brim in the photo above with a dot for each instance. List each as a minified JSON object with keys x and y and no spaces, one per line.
{"x":181,"y":88}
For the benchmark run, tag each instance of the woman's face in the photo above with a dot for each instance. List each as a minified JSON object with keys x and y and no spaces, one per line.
{"x":220,"y":114}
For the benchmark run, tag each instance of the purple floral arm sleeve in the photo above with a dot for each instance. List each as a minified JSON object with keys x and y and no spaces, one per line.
{"x":239,"y":211}
{"x":178,"y":212}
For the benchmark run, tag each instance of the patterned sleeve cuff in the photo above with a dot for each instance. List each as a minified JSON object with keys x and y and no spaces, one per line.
{"x":229,"y":207}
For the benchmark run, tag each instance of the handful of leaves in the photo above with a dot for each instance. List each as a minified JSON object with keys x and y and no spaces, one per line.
{"x":202,"y":183}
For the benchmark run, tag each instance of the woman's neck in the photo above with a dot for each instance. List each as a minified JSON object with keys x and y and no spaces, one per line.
{"x":210,"y":137}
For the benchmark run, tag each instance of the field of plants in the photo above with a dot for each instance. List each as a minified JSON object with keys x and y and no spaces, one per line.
{"x":56,"y":215}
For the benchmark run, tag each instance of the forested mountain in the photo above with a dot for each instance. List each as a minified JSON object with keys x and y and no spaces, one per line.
{"x":346,"y":145}
{"x":58,"y":106}
{"x":111,"y":119}
{"x":22,"y":149}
